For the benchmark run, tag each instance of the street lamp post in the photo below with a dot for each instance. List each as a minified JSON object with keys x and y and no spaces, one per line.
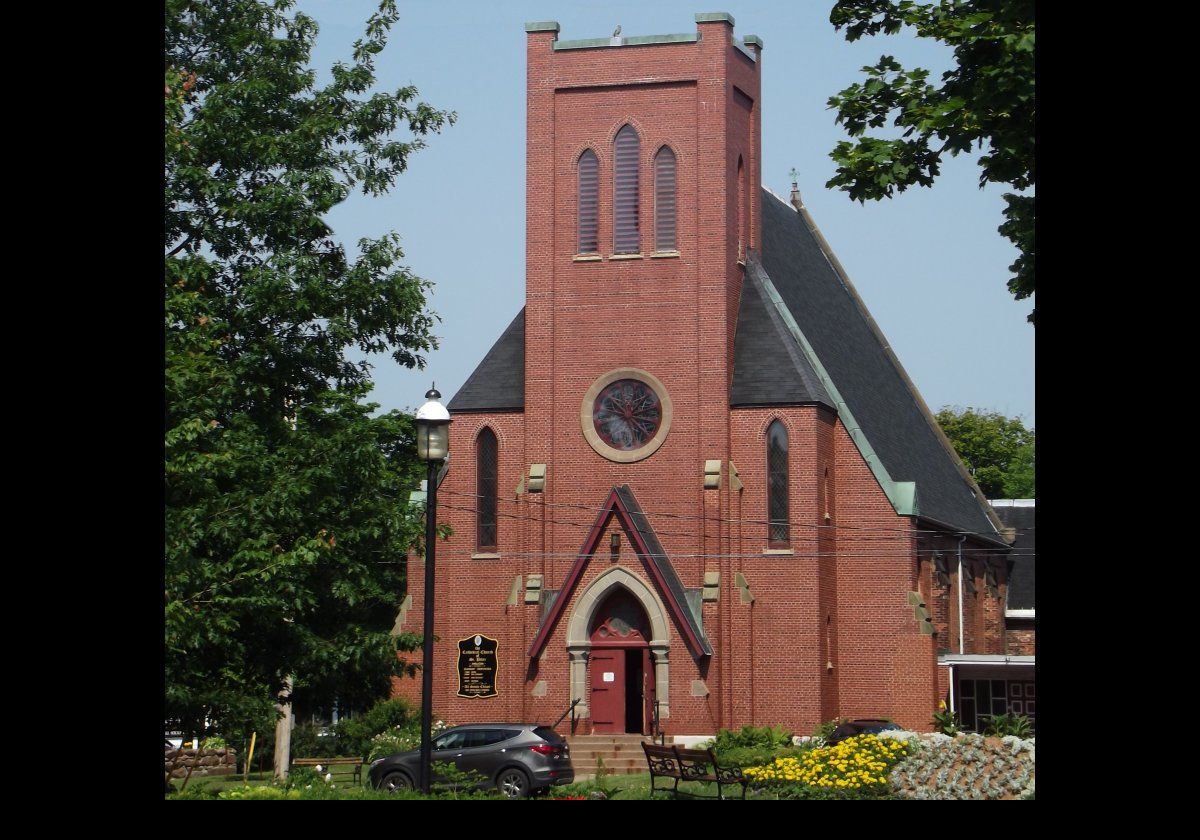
{"x":433,"y":444}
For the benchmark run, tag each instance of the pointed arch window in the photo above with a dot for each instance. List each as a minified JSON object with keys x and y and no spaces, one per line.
{"x":664,"y":200}
{"x":778,"y":534}
{"x":589,"y":191}
{"x":487,"y":469}
{"x":740,"y":210}
{"x":626,"y":150}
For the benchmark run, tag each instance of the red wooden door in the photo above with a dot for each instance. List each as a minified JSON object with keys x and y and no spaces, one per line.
{"x":607,"y":667}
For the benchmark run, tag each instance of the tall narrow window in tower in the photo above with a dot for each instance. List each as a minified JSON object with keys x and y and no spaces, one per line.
{"x":778,"y":534}
{"x":589,"y":190}
{"x":741,"y":209}
{"x":626,"y":239}
{"x":486,"y":452}
{"x":664,"y":201}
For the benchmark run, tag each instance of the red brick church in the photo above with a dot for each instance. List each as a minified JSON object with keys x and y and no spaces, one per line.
{"x":690,"y":483}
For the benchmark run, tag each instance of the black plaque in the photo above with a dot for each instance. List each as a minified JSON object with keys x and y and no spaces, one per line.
{"x":477,"y":667}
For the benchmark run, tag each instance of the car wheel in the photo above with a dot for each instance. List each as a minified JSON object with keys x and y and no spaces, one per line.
{"x":395,"y":781}
{"x":513,"y":783}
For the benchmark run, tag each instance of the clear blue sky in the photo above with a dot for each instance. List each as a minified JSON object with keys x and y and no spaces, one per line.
{"x":929,"y":263}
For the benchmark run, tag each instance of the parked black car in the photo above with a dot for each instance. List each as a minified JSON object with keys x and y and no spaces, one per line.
{"x":863,"y":726}
{"x":516,"y":758}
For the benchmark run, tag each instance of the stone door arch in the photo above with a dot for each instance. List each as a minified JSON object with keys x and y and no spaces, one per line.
{"x":579,"y":643}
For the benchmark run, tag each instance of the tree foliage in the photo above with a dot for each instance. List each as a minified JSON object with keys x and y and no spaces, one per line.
{"x":286,"y":502}
{"x":998,"y":450}
{"x":986,"y":100}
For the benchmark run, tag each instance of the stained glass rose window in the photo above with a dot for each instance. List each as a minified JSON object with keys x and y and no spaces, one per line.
{"x":627,"y":414}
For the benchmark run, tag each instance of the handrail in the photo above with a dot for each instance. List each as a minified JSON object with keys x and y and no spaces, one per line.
{"x":570,"y":711}
{"x":657,"y":731}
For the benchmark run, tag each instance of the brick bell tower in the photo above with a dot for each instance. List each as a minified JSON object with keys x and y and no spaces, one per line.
{"x":642,"y":184}
{"x":609,"y":285}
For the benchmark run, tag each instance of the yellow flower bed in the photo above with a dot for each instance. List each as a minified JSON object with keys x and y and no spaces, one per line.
{"x":854,"y":763}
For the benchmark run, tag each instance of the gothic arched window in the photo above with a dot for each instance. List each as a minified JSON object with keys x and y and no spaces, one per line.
{"x":589,"y":191}
{"x":626,"y":236}
{"x":777,"y":485}
{"x":664,"y":200}
{"x":487,"y":468}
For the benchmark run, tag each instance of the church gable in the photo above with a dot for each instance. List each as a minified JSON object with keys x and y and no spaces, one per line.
{"x":622,"y":504}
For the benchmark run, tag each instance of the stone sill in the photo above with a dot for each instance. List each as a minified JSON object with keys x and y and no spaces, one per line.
{"x":658,"y":255}
{"x":485,"y":556}
{"x":778,"y":551}
{"x":626,"y":257}
{"x":587,"y":258}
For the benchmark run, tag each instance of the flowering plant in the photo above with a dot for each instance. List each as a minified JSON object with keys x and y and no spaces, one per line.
{"x":945,"y":720}
{"x":857,"y":762}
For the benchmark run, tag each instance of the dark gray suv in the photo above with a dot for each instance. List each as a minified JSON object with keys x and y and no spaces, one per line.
{"x":516,"y":758}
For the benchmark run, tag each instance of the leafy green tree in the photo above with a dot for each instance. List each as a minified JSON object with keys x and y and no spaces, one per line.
{"x":998,"y":450}
{"x":987,"y":99}
{"x":286,"y":502}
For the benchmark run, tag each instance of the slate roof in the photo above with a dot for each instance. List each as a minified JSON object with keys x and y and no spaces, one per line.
{"x":498,"y":383}
{"x":873,"y":388}
{"x":1021,"y":578}
{"x":769,"y":368}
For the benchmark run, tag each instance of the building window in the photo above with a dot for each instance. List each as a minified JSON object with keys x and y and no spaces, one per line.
{"x":664,"y":200}
{"x":626,"y":238}
{"x":486,"y":452}
{"x":777,"y":485}
{"x":589,"y":190}
{"x":740,"y":210}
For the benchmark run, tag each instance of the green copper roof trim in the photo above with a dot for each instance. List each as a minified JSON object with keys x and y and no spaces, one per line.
{"x":542,"y":26}
{"x":733,"y":39}
{"x":753,"y":39}
{"x":683,"y":37}
{"x":902,"y":494}
{"x":710,"y":17}
{"x":633,"y":40}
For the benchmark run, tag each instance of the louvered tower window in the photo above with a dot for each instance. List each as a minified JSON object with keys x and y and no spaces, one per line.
{"x":589,"y":190}
{"x":486,"y":452}
{"x":777,"y":485}
{"x":741,"y":210}
{"x":664,"y":200}
{"x":626,"y":239}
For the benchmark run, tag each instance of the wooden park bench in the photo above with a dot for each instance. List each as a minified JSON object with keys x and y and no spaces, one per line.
{"x":333,"y":765}
{"x":684,"y":765}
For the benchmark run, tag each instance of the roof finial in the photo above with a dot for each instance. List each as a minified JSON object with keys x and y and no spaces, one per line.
{"x":617,"y":31}
{"x":797,"y":202}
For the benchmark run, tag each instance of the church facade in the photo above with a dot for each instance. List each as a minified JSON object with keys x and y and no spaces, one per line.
{"x":690,"y":486}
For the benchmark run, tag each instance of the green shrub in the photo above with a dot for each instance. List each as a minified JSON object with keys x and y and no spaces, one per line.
{"x":753,"y":736}
{"x":1009,"y":724}
{"x":354,"y":734}
{"x":307,"y":742}
{"x":824,"y":730}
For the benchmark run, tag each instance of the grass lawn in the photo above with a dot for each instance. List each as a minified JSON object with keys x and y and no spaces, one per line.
{"x":633,"y":786}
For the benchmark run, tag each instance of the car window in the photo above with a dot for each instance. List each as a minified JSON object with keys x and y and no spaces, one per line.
{"x":449,"y":741}
{"x":548,"y":734}
{"x":478,"y":738}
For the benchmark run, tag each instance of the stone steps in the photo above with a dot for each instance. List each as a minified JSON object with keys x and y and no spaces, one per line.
{"x":622,"y":754}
